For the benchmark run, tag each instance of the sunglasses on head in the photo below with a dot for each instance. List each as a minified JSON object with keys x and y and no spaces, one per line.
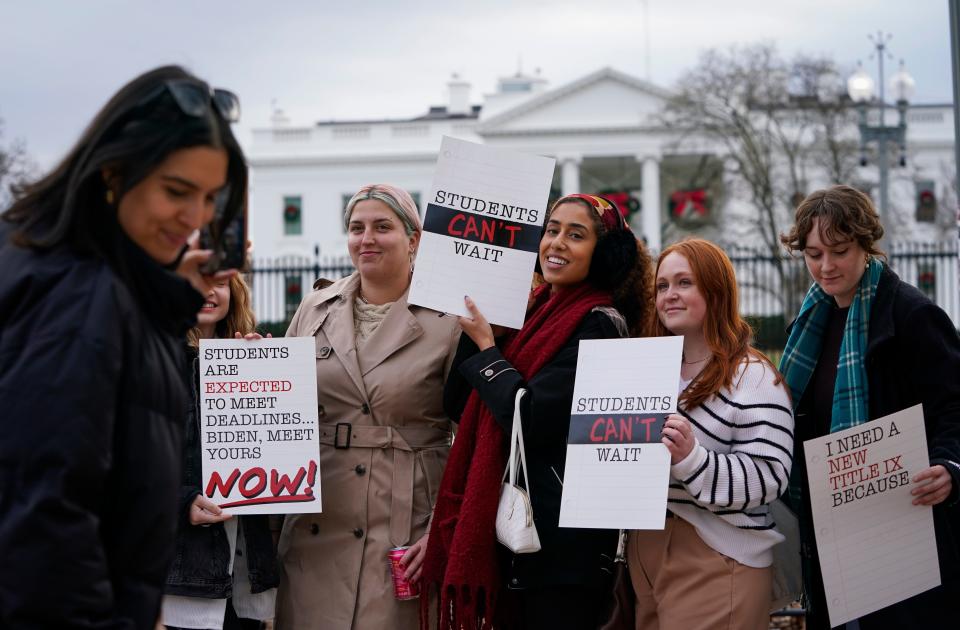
{"x":195,"y":97}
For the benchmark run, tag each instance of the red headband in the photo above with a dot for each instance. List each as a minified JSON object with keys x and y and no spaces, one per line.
{"x":609,"y":213}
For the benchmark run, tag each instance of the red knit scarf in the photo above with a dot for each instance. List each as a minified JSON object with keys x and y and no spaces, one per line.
{"x":461,"y":558}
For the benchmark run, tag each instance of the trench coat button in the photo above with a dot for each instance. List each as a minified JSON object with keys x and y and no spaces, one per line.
{"x":358,"y":532}
{"x":321,"y":412}
{"x":488,"y":373}
{"x":314,"y":529}
{"x":365,"y":409}
{"x":324,"y":352}
{"x":360,"y":469}
{"x":514,"y":581}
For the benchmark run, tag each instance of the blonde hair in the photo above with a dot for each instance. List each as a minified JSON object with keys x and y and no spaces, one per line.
{"x":239,"y":317}
{"x":398,"y":199}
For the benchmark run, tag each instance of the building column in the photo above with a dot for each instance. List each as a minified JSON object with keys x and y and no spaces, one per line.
{"x":650,"y":210}
{"x":569,"y":174}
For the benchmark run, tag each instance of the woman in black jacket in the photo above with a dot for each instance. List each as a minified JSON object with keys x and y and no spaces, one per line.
{"x":906,"y":353}
{"x":598,"y":285}
{"x":210,"y":586}
{"x":92,"y":318}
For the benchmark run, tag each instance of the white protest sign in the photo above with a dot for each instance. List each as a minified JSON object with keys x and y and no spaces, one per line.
{"x":875,"y":547}
{"x":258,"y":425}
{"x":617,"y":471}
{"x":481,"y":231}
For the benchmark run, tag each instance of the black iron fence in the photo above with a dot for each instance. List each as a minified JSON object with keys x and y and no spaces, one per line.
{"x":771,"y":288}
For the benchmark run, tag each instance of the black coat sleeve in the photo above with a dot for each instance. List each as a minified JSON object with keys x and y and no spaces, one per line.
{"x":545,"y":409}
{"x":931,"y":348}
{"x":58,"y":397}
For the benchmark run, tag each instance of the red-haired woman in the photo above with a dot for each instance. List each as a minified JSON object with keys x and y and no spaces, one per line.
{"x":730,"y":443}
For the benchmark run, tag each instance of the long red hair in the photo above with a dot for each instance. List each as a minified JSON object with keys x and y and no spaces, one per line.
{"x":727,"y":334}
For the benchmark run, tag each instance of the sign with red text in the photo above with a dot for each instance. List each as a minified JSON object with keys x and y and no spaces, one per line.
{"x":258,"y":425}
{"x":481,"y":231}
{"x":617,"y":471}
{"x":876,"y":548}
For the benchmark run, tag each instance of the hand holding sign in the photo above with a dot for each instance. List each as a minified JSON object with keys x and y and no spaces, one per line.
{"x":476,"y":326}
{"x":203,"y":511}
{"x":933,"y":486}
{"x":678,"y":437}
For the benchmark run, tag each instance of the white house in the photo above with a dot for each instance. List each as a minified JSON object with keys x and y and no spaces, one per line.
{"x":602,"y":128}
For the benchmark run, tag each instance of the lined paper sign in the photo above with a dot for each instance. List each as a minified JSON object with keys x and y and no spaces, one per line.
{"x":875,"y":547}
{"x":258,"y":425}
{"x":481,"y":231}
{"x":617,"y":470}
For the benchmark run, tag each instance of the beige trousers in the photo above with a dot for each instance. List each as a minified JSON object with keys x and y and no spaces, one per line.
{"x":682,"y":584}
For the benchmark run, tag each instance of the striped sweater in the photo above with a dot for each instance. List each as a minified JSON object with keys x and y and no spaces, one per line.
{"x":740,"y":462}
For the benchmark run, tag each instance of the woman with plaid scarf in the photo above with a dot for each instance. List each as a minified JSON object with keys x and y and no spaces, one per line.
{"x":866,"y":344}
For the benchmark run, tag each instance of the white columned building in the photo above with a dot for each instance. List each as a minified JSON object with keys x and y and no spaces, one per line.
{"x":605,"y":131}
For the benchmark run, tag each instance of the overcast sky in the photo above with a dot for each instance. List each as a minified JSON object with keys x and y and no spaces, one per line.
{"x":337,"y":59}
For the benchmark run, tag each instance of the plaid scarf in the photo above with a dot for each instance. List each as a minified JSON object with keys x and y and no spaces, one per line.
{"x":806,"y":339}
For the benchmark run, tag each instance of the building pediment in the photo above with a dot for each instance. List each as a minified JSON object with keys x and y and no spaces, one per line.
{"x":605,"y":99}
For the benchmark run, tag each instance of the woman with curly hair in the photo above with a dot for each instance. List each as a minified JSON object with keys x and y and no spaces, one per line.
{"x":597,"y":285}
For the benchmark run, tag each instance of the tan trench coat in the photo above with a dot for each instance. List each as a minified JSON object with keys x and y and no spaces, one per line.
{"x":386,"y":403}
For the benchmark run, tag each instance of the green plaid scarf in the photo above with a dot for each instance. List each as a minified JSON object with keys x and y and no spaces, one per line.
{"x":806,"y":338}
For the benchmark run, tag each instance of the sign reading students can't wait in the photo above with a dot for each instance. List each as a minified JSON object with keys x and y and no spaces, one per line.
{"x":258,"y":425}
{"x":617,"y":469}
{"x":481,"y":231}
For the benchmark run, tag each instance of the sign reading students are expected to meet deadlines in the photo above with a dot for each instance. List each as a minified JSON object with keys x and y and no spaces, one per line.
{"x":258,"y":425}
{"x":876,"y":548}
{"x":481,"y":231}
{"x":618,"y":471}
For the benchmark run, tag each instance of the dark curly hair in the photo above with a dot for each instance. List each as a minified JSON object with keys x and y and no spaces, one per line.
{"x":622,"y":265}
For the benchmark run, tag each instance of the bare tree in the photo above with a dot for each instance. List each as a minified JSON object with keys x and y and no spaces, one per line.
{"x":16,"y":168}
{"x":777,"y":124}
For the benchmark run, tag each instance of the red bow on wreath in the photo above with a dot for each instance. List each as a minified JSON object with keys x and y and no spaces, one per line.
{"x":689,"y":203}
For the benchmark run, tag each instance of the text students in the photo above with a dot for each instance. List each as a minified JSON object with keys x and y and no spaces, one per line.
{"x":384,"y":436}
{"x":597,"y":286}
{"x":731,"y":445}
{"x":865,"y":345}
{"x":91,"y":352}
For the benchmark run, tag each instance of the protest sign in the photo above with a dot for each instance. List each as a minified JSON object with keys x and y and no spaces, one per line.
{"x":258,"y":425}
{"x":481,"y":231}
{"x":876,"y":548}
{"x":617,"y":471}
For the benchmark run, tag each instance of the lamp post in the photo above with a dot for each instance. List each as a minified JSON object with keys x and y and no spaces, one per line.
{"x":860,"y":87}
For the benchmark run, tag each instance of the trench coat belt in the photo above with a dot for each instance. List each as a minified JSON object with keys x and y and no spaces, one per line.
{"x":406,"y":443}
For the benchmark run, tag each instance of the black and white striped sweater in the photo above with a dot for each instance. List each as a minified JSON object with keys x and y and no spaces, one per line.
{"x":740,"y":463}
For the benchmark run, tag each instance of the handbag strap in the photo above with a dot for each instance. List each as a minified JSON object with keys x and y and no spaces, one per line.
{"x":518,"y":456}
{"x":621,"y":547}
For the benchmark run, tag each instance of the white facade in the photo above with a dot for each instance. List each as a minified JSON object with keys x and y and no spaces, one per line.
{"x":602,"y":129}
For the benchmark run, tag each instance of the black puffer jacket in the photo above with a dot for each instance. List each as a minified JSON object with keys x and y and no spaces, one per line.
{"x":201,"y":562}
{"x":92,"y":399}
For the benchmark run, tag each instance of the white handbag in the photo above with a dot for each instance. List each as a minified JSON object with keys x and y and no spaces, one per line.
{"x":515,"y":528}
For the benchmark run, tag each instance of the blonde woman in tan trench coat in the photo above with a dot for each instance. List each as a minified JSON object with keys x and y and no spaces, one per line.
{"x":384,"y":438}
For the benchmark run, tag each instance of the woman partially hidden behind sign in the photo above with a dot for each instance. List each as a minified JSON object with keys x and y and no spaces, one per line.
{"x":865,"y":345}
{"x":384,"y":437}
{"x":597,"y":286}
{"x":730,"y":444}
{"x":206,"y":570}
{"x":92,"y":319}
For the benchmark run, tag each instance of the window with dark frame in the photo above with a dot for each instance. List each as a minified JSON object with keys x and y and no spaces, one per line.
{"x":292,"y":215}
